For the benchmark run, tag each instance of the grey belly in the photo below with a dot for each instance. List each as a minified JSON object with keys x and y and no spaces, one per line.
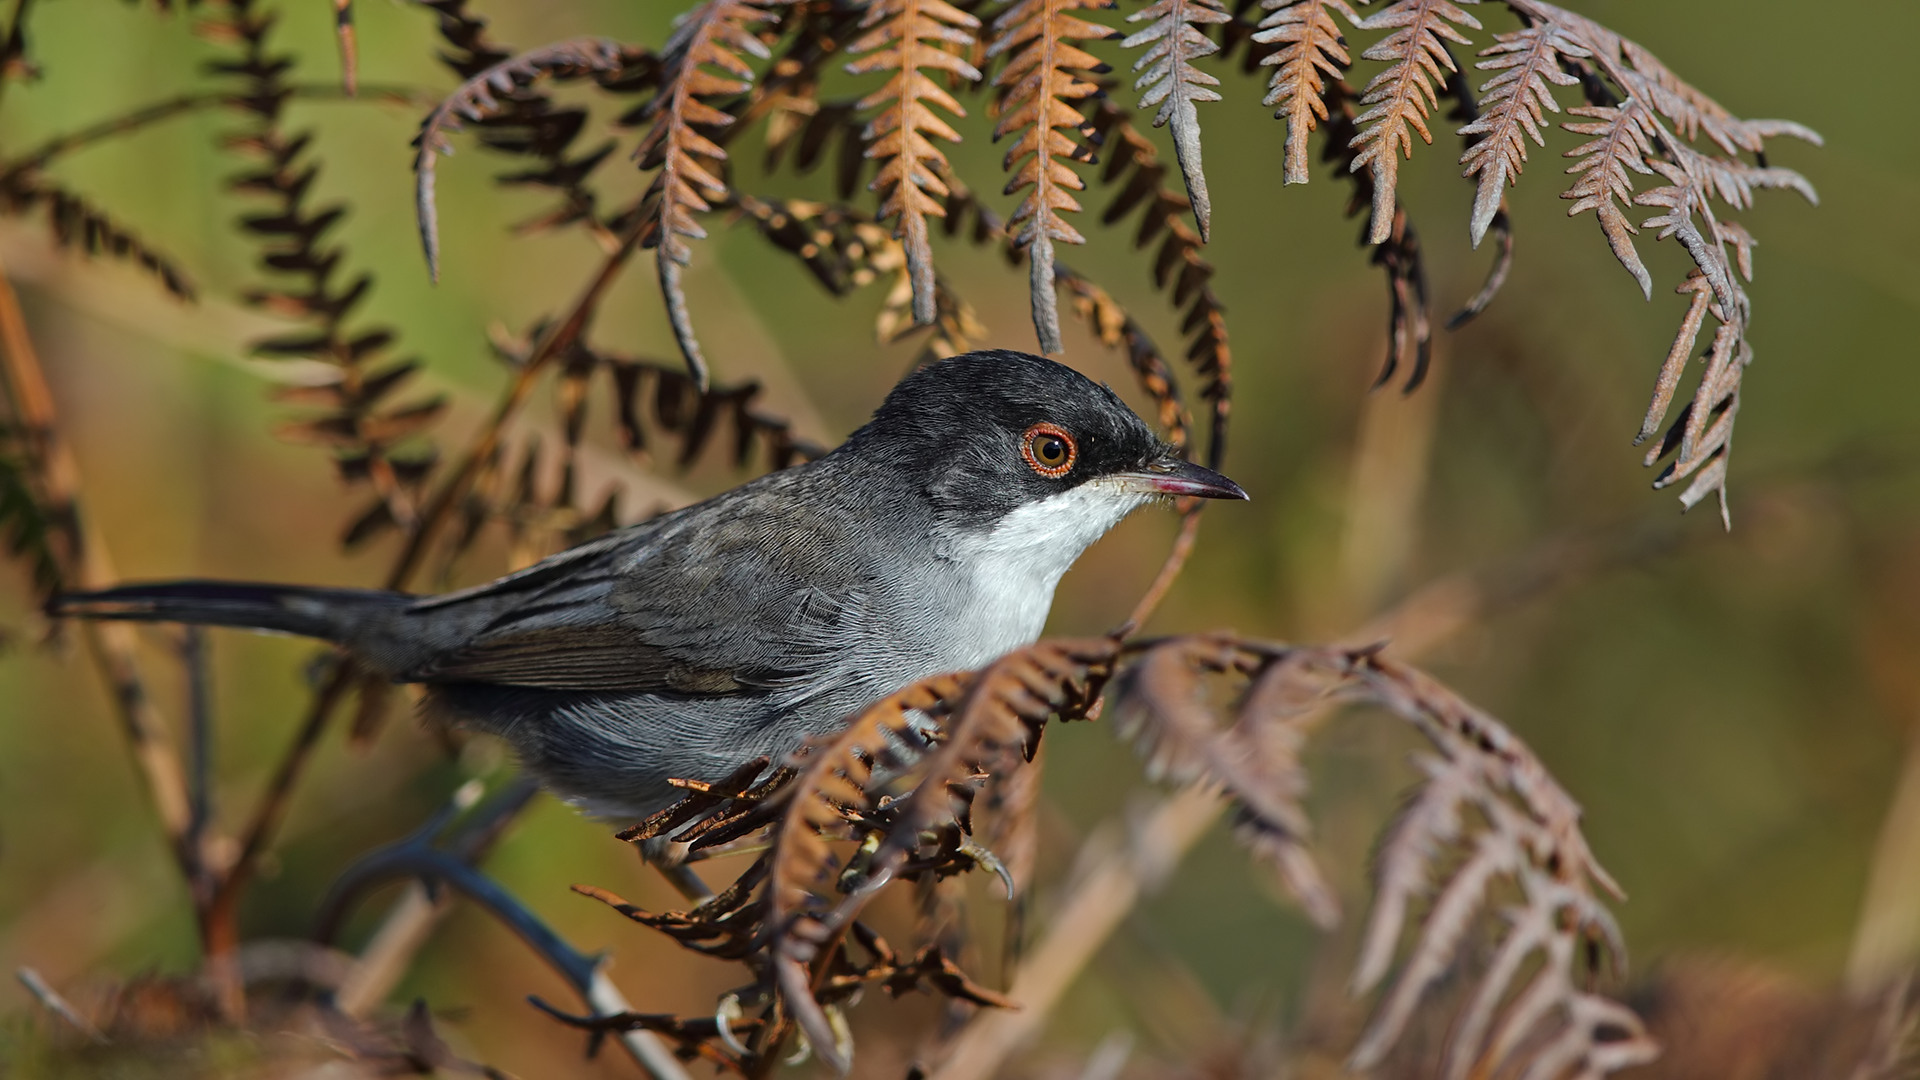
{"x":611,"y":755}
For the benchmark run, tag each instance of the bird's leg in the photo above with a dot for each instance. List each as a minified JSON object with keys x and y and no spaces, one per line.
{"x":685,"y":882}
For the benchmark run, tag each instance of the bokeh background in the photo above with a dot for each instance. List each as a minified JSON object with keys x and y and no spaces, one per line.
{"x":1736,"y":711}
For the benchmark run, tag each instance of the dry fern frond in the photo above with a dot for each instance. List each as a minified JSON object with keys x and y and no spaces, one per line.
{"x":1628,"y":93}
{"x":1310,"y":51}
{"x":837,"y":778}
{"x":816,"y":35}
{"x":1622,"y":138}
{"x":29,"y":528}
{"x":946,"y":732}
{"x":78,"y":224}
{"x":368,"y":431}
{"x":956,"y":326}
{"x":908,"y":36}
{"x":1045,"y":74}
{"x":1526,"y":830}
{"x":1409,"y":326}
{"x":1639,"y":73}
{"x":1161,"y":706}
{"x":1402,"y":96}
{"x":1486,"y":814}
{"x":527,"y":124}
{"x":479,"y":98}
{"x":693,"y":416}
{"x":842,"y":247}
{"x":1175,"y":41}
{"x":1529,"y":64}
{"x":895,"y":796}
{"x":688,"y":161}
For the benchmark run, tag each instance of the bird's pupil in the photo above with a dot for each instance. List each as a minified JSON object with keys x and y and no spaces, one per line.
{"x":1052,"y":450}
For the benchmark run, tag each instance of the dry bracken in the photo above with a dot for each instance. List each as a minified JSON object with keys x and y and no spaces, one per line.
{"x":688,"y":164}
{"x":1305,"y":51}
{"x":905,"y":37}
{"x":1046,"y":73}
{"x":1174,"y":40}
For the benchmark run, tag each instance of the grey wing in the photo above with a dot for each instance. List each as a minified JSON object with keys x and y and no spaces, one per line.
{"x":706,"y":607}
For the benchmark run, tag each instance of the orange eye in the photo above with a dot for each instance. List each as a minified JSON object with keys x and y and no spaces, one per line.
{"x":1049,"y":450}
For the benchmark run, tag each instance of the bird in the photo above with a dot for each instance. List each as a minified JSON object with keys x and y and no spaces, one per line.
{"x":746,"y":625}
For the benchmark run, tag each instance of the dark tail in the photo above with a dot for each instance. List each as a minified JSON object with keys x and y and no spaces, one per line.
{"x":328,"y":614}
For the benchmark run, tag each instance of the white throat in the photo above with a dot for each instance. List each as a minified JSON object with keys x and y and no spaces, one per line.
{"x":1013,"y":569}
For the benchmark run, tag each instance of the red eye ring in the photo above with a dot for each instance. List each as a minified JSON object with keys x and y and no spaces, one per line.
{"x":1049,"y":450}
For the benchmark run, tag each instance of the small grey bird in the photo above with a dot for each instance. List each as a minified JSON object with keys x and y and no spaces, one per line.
{"x":685,"y":646}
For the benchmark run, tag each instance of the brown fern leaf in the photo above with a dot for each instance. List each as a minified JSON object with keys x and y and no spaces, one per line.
{"x":1045,"y":74}
{"x":374,"y":439}
{"x":788,"y":95}
{"x":1409,"y":322}
{"x":1310,"y":50}
{"x":836,"y":777}
{"x":527,"y":124}
{"x":1402,"y":96}
{"x":1639,"y":73}
{"x":1622,"y":141}
{"x":694,"y":416}
{"x":688,"y":160}
{"x":1512,"y":107}
{"x":843,"y":247}
{"x":1523,"y":828}
{"x":1629,"y":90}
{"x":845,"y":250}
{"x":78,"y":224}
{"x":1175,"y":41}
{"x":1161,"y":705}
{"x":1702,"y":437}
{"x":994,"y":730}
{"x":1591,"y":1034}
{"x":481,"y":97}
{"x":946,"y":731}
{"x":1693,"y":112}
{"x":1701,"y":291}
{"x":956,"y":326}
{"x":908,"y":36}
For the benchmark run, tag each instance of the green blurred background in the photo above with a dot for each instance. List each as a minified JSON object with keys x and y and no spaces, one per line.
{"x":1734,"y":711}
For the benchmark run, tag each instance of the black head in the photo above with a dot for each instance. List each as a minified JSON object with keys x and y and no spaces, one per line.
{"x":986,"y":432}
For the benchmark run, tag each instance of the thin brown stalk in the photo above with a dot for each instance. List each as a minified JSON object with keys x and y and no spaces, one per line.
{"x":87,"y":565}
{"x":1176,"y":560}
{"x":148,"y":115}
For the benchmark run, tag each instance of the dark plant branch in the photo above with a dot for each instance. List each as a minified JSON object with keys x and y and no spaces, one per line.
{"x":416,"y":857}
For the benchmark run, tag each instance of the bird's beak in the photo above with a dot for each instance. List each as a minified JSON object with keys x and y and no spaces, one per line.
{"x":1174,"y":476}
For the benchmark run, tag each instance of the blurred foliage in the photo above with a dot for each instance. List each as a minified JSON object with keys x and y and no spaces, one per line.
{"x":1733,"y":710}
